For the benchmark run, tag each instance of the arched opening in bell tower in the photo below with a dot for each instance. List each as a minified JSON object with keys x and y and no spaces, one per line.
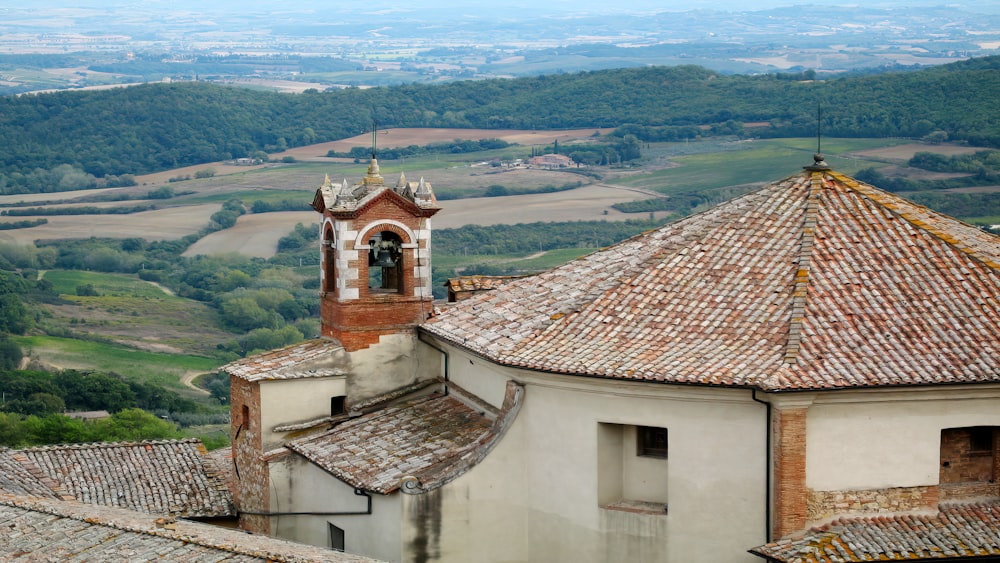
{"x":385,"y":263}
{"x":329,"y":260}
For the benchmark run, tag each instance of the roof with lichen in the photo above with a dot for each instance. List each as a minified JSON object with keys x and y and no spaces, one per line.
{"x":813,"y":282}
{"x":18,"y":476}
{"x":51,"y":530}
{"x":319,"y":357}
{"x":416,"y":445}
{"x":958,"y":530}
{"x":175,"y":477}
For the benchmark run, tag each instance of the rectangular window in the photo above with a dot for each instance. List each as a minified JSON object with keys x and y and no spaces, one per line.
{"x":336,"y":537}
{"x":981,"y":440}
{"x":338,"y":405}
{"x":652,"y":442}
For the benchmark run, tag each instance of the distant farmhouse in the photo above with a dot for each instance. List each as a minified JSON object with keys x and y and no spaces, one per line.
{"x":810,"y":372}
{"x":551,"y":161}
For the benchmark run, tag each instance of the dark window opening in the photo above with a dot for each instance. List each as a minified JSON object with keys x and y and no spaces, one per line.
{"x":336,"y":537}
{"x":246,"y":415}
{"x":652,"y":441}
{"x":338,"y":405}
{"x":981,"y":440}
{"x":329,"y":262}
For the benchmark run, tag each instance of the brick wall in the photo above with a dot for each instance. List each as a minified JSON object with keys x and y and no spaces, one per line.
{"x":359,"y":324}
{"x":251,"y":472}
{"x":965,"y":472}
{"x":357,"y":316}
{"x":825,"y":505}
{"x":790,"y":494}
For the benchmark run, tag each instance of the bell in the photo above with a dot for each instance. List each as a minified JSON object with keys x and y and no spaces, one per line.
{"x":384,"y":259}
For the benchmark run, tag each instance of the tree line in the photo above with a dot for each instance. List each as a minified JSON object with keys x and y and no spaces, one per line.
{"x":154,"y":127}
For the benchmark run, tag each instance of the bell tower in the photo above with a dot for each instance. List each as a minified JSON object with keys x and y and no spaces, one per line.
{"x":376,"y":264}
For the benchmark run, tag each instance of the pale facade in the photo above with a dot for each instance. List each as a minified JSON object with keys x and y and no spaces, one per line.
{"x":811,"y":354}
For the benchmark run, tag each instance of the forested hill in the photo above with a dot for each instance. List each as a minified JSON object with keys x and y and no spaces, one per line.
{"x":160,"y":126}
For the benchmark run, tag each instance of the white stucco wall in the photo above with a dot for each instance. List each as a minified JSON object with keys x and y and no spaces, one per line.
{"x":314,"y":490}
{"x":396,"y":361}
{"x":295,"y":400}
{"x":544,"y":478}
{"x":877,"y":439}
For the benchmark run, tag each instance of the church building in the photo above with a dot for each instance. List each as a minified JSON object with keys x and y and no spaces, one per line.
{"x":809,"y":372}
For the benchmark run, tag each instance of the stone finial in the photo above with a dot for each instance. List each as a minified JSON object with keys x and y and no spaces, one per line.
{"x":818,"y":163}
{"x":424,"y":192}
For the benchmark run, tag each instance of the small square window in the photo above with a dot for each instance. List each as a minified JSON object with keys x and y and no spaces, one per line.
{"x":338,"y":405}
{"x":981,"y":439}
{"x":652,"y":442}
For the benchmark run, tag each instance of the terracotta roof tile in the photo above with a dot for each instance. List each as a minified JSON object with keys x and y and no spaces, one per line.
{"x":18,"y":476}
{"x":163,"y":477}
{"x":425,"y":441}
{"x":320,"y":357}
{"x":813,"y":282}
{"x":49,"y":530}
{"x":961,"y":530}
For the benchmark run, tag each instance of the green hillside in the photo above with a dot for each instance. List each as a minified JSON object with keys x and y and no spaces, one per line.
{"x":107,"y":134}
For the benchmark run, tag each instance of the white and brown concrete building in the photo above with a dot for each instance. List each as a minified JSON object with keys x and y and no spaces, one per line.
{"x":765,"y":375}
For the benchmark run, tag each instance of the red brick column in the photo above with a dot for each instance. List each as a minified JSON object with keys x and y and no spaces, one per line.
{"x":790,"y":494}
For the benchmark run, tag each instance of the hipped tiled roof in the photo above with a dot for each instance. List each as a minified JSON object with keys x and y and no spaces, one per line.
{"x":961,"y":530}
{"x":417,"y":445}
{"x":813,"y":282}
{"x":50,"y":530}
{"x":174,"y":477}
{"x":320,"y":357}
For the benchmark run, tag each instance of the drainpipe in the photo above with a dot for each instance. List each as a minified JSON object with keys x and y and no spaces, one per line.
{"x":359,"y":492}
{"x":447,"y":359}
{"x":767,"y":466}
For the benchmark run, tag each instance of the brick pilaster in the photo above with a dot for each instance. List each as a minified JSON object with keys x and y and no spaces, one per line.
{"x":790,"y":494}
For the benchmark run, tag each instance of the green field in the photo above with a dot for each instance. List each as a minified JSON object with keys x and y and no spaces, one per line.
{"x":117,"y":285}
{"x":153,"y":367}
{"x":132,"y":311}
{"x":745,"y":162}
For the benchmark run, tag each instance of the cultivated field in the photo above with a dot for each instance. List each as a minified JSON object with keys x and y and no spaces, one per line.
{"x":423,"y":136}
{"x":671,"y":168}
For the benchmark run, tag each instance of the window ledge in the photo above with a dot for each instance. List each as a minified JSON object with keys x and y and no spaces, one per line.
{"x":638,"y":507}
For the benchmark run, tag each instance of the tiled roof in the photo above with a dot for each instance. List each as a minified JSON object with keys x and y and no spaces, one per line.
{"x":163,"y":477}
{"x":963,"y":530}
{"x":478,"y":283}
{"x":49,"y":530}
{"x":319,"y":357}
{"x":813,"y":282}
{"x":425,"y":442}
{"x":19,"y":477}
{"x":223,"y":460}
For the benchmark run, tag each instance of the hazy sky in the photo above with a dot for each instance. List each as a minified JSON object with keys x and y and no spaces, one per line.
{"x":523,"y":8}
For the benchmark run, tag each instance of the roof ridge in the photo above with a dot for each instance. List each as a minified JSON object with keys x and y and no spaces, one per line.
{"x":169,"y":528}
{"x":104,"y":445}
{"x":898,"y":204}
{"x":801,"y":288}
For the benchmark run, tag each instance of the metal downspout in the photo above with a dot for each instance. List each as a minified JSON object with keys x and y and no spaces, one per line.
{"x":359,"y":492}
{"x":767,"y":466}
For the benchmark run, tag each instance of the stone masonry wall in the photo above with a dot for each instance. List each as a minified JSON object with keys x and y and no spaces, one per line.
{"x":825,"y":505}
{"x":251,"y":471}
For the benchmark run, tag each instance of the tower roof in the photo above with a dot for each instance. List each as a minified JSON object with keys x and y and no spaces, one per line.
{"x":814,"y":282}
{"x":347,"y":198}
